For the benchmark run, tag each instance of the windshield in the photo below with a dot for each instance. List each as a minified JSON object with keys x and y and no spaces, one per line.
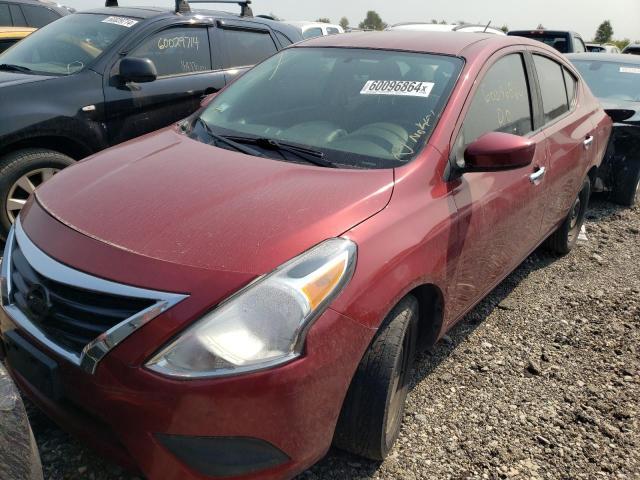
{"x":611,"y":80}
{"x":359,"y":108}
{"x":67,"y":45}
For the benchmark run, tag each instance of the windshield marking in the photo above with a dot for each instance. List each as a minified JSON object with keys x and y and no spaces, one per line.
{"x":397,"y":87}
{"x":122,"y":21}
{"x":422,"y":130}
{"x":630,"y":70}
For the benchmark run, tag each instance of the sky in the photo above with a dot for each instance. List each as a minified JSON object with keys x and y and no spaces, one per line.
{"x":582,"y":16}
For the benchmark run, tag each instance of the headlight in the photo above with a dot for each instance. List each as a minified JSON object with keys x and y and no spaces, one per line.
{"x":264,"y":324}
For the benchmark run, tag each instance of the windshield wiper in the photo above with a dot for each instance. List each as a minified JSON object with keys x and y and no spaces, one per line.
{"x":309,"y":155}
{"x":227,"y":141}
{"x":14,"y":68}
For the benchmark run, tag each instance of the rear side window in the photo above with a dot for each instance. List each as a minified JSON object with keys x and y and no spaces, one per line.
{"x":18,"y":16}
{"x":502,"y":103}
{"x":177,"y":51}
{"x":332,"y":30}
{"x":572,"y":84}
{"x":38,"y":16}
{"x":5,"y":16}
{"x":554,"y":94}
{"x":247,"y":47}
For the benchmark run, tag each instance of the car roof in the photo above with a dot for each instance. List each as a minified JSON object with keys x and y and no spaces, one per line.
{"x":605,"y":57}
{"x":144,"y":12}
{"x":552,"y":32}
{"x":445,"y":43}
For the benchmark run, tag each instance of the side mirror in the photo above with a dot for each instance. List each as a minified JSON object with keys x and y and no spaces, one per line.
{"x":495,"y":151}
{"x":139,"y":70}
{"x":208,"y":99}
{"x":620,"y":115}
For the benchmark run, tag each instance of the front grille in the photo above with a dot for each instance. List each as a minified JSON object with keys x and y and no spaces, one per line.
{"x":73,"y":316}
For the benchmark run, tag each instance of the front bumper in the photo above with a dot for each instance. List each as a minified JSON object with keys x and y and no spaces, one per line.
{"x":128,"y":412}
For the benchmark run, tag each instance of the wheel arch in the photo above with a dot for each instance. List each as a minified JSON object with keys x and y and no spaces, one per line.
{"x":61,"y":144}
{"x":430,"y":312}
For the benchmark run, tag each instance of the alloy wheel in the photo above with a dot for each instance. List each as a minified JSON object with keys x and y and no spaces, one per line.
{"x":22,"y":189}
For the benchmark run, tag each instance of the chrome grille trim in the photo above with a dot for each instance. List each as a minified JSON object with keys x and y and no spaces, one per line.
{"x":46,"y":266}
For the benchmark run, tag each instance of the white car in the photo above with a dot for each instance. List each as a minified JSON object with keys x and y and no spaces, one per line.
{"x":317,"y":29}
{"x":437,"y":27}
{"x":602,"y":48}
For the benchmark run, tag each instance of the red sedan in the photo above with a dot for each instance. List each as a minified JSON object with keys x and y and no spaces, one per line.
{"x":229,"y":296}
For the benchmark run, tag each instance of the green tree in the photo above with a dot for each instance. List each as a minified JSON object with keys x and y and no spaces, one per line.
{"x":372,"y":22}
{"x":324,"y":20}
{"x":434,"y":21}
{"x":604,"y":34}
{"x":344,"y":22}
{"x":444,"y":22}
{"x":505,"y":28}
{"x":540,"y":27}
{"x":621,"y":43}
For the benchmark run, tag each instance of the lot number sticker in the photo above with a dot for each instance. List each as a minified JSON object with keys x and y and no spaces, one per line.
{"x":399,"y":87}
{"x":630,"y":70}
{"x":122,"y":21}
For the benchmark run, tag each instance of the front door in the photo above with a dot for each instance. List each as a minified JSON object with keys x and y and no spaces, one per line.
{"x":187,"y":73}
{"x":500,"y":213}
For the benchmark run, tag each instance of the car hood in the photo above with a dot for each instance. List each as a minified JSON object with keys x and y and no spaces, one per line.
{"x":169,"y":197}
{"x":8,"y":79}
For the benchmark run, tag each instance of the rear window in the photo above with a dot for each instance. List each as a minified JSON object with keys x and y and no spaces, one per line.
{"x":632,"y":50}
{"x":558,"y":41}
{"x":312,"y":32}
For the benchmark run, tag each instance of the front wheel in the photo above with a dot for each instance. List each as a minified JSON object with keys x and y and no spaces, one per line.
{"x":371,"y":416}
{"x":21,"y":172}
{"x":565,"y":237}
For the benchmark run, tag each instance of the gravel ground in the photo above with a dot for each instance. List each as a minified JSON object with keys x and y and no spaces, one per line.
{"x":541,"y":380}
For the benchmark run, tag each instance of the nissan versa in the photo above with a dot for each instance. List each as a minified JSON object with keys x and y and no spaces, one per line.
{"x":229,"y":296}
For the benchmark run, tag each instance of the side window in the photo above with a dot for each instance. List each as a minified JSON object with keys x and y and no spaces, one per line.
{"x":38,"y":16}
{"x":284,"y":40}
{"x":312,"y":32}
{"x":554,"y":94}
{"x":332,"y":30}
{"x":247,"y":47}
{"x":5,"y":16}
{"x":572,"y":85}
{"x":18,"y":16}
{"x":502,"y":103}
{"x":177,"y":51}
{"x":579,"y":45}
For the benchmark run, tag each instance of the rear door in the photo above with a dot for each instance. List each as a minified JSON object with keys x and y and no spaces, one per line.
{"x":569,"y":133}
{"x":187,"y":70}
{"x":500,"y":213}
{"x":243,"y":45}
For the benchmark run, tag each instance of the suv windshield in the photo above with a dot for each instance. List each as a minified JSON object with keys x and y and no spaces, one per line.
{"x":358,"y":108}
{"x":559,"y":41}
{"x":611,"y":80}
{"x":67,"y":45}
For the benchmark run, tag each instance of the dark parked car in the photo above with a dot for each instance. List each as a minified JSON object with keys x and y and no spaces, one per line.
{"x":615,"y":80}
{"x":228,"y":296}
{"x":31,"y":13}
{"x":97,"y":78}
{"x":633,"y":49}
{"x":562,"y":40}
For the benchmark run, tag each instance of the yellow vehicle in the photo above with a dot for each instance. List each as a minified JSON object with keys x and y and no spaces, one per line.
{"x":11,"y":35}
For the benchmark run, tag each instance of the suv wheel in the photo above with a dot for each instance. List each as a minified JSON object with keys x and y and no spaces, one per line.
{"x":626,"y":191}
{"x":371,"y":416}
{"x":21,"y":172}
{"x":565,"y":237}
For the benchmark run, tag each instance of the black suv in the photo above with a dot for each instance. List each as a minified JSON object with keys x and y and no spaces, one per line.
{"x":562,"y":40}
{"x":97,"y":78}
{"x":30,"y":13}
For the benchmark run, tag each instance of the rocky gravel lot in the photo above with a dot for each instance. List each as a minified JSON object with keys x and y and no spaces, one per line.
{"x":541,"y":380}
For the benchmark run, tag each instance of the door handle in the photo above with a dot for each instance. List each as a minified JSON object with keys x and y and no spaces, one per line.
{"x":588,"y":141}
{"x":537,"y":176}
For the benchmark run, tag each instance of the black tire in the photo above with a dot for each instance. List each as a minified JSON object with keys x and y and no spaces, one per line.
{"x":565,"y":237}
{"x":371,"y":416}
{"x":15,"y":165}
{"x":626,"y":190}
